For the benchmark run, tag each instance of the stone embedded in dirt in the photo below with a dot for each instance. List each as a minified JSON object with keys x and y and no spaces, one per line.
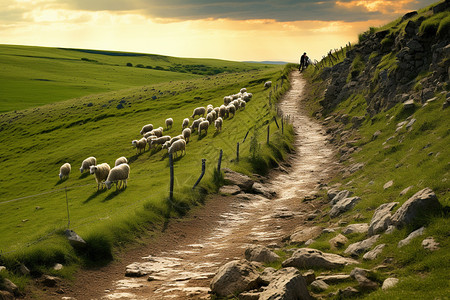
{"x":359,"y":247}
{"x":319,"y":286}
{"x":288,"y":284}
{"x":372,"y":254}
{"x":235,"y":277}
{"x":339,"y":196}
{"x":331,"y":193}
{"x":302,"y":234}
{"x":358,"y":228}
{"x":249,"y":296}
{"x":348,"y":292}
{"x":24,"y":270}
{"x":430,"y":244}
{"x":408,"y":104}
{"x":267,"y":192}
{"x":334,"y":279}
{"x":309,"y":276}
{"x":413,"y":210}
{"x":381,"y":218}
{"x":230,"y":190}
{"x":365,"y":284}
{"x":343,"y":206}
{"x":311,"y":196}
{"x":388,"y":184}
{"x":283,"y":214}
{"x":74,"y":239}
{"x":411,"y":236}
{"x":338,"y":241}
{"x":261,"y":254}
{"x":389,"y":283}
{"x":355,"y":167}
{"x":50,"y":281}
{"x":235,"y":178}
{"x":313,"y":258}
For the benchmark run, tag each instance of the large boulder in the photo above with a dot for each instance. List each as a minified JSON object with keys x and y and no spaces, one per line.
{"x":359,"y":247}
{"x":381,"y":218}
{"x":358,"y":228}
{"x":303,"y":234}
{"x":306,"y":258}
{"x":339,"y":196}
{"x":288,"y":284}
{"x":415,"y":208}
{"x":260,"y":253}
{"x":235,"y":178}
{"x":235,"y":277}
{"x":343,"y":205}
{"x":338,"y":241}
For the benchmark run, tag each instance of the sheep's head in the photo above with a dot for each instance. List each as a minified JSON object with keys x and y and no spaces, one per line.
{"x":134,"y":142}
{"x":108,"y":184}
{"x":81,"y":170}
{"x":92,"y":169}
{"x":60,"y":176}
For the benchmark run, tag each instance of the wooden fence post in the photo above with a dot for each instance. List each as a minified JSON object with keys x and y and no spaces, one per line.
{"x":171,"y":176}
{"x":220,"y":161}
{"x":67,"y":204}
{"x":275,"y":118}
{"x":282,"y":124}
{"x":237,"y":151}
{"x":203,"y":173}
{"x":268,"y":132}
{"x":246,"y":136}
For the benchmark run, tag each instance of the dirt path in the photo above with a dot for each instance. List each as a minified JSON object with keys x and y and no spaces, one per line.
{"x":182,"y":261}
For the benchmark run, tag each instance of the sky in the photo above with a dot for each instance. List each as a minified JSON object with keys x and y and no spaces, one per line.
{"x":240,"y":30}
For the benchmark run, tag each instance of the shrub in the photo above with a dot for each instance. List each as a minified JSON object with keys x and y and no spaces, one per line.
{"x":129,"y":64}
{"x":444,"y":26}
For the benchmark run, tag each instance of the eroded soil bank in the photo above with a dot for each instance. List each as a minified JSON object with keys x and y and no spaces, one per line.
{"x":180,"y":262}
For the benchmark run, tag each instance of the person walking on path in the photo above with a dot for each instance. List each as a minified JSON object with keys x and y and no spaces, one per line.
{"x":303,"y":62}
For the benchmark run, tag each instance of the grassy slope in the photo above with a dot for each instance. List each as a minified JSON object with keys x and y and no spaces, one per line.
{"x":35,"y":142}
{"x":416,"y":157}
{"x":33,"y":76}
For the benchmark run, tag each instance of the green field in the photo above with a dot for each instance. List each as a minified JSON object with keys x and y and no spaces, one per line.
{"x":35,"y":142}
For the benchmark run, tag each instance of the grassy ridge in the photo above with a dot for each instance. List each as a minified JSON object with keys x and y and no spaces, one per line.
{"x":35,"y":142}
{"x":34,"y":76}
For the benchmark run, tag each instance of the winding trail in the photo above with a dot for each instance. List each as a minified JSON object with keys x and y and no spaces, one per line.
{"x":190,"y":252}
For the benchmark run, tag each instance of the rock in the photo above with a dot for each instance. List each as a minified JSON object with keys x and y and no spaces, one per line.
{"x":365,"y":284}
{"x":331,"y":193}
{"x":339,"y":196}
{"x":50,"y":281}
{"x":309,"y":276}
{"x":258,"y":188}
{"x":9,"y":286}
{"x":388,"y":184}
{"x":334,"y":279}
{"x":312,"y":258}
{"x":24,"y":270}
{"x":304,"y":234}
{"x":319,"y":286}
{"x":355,"y":167}
{"x":74,"y":239}
{"x":338,"y":241}
{"x":409,"y":15}
{"x":410,"y":123}
{"x":241,"y":180}
{"x":381,"y":218}
{"x":261,"y":254}
{"x":404,"y":191}
{"x":343,"y":206}
{"x":5,"y":295}
{"x":376,"y":134}
{"x":413,"y":210}
{"x":311,"y":196}
{"x":389,"y":283}
{"x":358,"y":228}
{"x":430,"y":244}
{"x":2,"y":268}
{"x":411,"y":236}
{"x":408,"y":104}
{"x":235,"y":277}
{"x":230,"y":190}
{"x":288,"y":284}
{"x":348,"y":292}
{"x":249,"y":296}
{"x":58,"y":267}
{"x":372,"y":254}
{"x":359,"y":247}
{"x":390,"y":229}
{"x":268,"y":275}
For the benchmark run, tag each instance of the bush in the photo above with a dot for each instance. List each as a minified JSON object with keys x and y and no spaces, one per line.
{"x":129,"y":64}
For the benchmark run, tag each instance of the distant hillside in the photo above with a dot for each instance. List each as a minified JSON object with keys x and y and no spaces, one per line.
{"x":34,"y":76}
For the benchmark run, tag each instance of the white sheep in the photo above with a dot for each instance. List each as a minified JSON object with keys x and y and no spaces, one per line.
{"x":166,"y":145}
{"x":101,"y":173}
{"x":199,"y":111}
{"x":185,"y":123}
{"x":227,"y":99}
{"x":267,"y":84}
{"x":169,"y":123}
{"x":243,"y":90}
{"x":231,"y":109}
{"x":139,"y":144}
{"x":176,"y":138}
{"x":209,"y":108}
{"x":179,"y":145}
{"x":121,"y":160}
{"x":196,"y":123}
{"x":64,"y":171}
{"x":242,"y":104}
{"x":157,"y":132}
{"x":210,"y":117}
{"x":222,"y":111}
{"x":218,"y":124}
{"x":247,"y":96}
{"x":203,"y":126}
{"x":146,"y":128}
{"x":149,"y":134}
{"x":118,"y":175}
{"x":216,"y":110}
{"x":186,"y":134}
{"x":160,"y":140}
{"x":90,"y":161}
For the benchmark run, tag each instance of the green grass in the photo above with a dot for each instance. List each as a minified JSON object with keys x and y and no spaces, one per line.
{"x":35,"y":142}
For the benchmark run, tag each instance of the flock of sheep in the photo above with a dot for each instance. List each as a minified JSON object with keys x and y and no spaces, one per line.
{"x":105,"y":176}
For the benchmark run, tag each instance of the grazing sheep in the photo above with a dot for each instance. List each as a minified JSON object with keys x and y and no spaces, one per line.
{"x":267,"y":84}
{"x":101,"y":173}
{"x":121,"y":160}
{"x":199,"y":111}
{"x":146,"y":128}
{"x":247,"y":96}
{"x":139,"y":144}
{"x":90,"y":161}
{"x":195,"y":124}
{"x":209,"y":108}
{"x":242,"y":104}
{"x":158,"y":131}
{"x":222,"y":111}
{"x":231,"y":109}
{"x":236,"y":103}
{"x":185,"y":123}
{"x":169,"y":123}
{"x":149,"y":134}
{"x":235,"y":96}
{"x":210,"y":118}
{"x":166,"y":145}
{"x":176,"y":138}
{"x":160,"y":140}
{"x":203,"y":126}
{"x":218,"y":124}
{"x":216,"y":110}
{"x":227,"y":99}
{"x":64,"y":171}
{"x":118,"y":175}
{"x":243,"y":90}
{"x":179,"y":145}
{"x":186,"y":134}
